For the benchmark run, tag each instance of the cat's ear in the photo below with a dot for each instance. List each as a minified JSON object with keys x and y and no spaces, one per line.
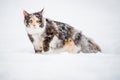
{"x":41,"y":12}
{"x":25,"y":13}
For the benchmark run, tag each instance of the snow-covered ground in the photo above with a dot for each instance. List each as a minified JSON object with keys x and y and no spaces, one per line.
{"x":17,"y":66}
{"x":98,"y":19}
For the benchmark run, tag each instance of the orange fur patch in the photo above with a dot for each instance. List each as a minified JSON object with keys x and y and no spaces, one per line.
{"x":69,"y":46}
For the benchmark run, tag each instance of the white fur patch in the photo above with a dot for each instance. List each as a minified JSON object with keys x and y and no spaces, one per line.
{"x":38,"y":42}
{"x":36,"y":30}
{"x":55,"y":43}
{"x":36,"y":34}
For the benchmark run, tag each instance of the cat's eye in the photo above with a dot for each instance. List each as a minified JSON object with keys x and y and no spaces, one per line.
{"x":38,"y":21}
{"x":30,"y":21}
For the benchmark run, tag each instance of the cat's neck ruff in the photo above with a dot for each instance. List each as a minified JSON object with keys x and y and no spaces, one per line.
{"x":37,"y":30}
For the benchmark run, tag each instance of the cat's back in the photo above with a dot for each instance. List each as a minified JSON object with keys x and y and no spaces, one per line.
{"x":62,"y":24}
{"x":65,"y":30}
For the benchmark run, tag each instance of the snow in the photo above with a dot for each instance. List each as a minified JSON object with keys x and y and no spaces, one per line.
{"x":97,"y":19}
{"x":17,"y":66}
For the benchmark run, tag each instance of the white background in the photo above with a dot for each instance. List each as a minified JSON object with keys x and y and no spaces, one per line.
{"x":97,"y":19}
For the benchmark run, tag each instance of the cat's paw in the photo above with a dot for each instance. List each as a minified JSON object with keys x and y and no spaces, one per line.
{"x":38,"y":51}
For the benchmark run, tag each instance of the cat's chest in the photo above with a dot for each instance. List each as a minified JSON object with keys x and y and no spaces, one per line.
{"x":35,"y":34}
{"x":36,"y":37}
{"x":35,"y":31}
{"x":37,"y":41}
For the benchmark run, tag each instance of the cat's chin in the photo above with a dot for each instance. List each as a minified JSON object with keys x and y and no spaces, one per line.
{"x":35,"y":30}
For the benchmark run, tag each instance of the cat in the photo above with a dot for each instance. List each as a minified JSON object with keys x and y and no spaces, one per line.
{"x":49,"y":35}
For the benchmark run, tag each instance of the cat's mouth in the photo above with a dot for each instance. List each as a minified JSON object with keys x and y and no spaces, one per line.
{"x":35,"y":26}
{"x":34,"y":29}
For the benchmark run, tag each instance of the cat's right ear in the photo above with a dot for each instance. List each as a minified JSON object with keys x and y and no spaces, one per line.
{"x":25,"y":13}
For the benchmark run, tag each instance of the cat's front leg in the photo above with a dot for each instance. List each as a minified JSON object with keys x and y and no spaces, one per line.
{"x":38,"y":51}
{"x":38,"y":45}
{"x":46,"y":44}
{"x":38,"y":48}
{"x":34,"y":42}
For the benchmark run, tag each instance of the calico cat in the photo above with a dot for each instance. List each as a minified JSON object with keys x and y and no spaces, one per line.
{"x":47,"y":35}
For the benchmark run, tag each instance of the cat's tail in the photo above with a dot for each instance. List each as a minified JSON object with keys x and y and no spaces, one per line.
{"x":94,"y":47}
{"x":86,"y":44}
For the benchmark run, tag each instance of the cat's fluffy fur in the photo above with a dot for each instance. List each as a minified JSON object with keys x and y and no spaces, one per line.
{"x":49,"y":35}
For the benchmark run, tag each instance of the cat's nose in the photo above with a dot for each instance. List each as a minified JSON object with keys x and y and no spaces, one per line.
{"x":34,"y":25}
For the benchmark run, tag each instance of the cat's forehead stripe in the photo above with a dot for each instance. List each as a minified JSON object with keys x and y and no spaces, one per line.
{"x":35,"y":14}
{"x":34,"y":17}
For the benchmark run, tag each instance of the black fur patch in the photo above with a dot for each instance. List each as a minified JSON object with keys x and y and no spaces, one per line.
{"x":31,"y":38}
{"x":65,"y":31}
{"x":26,"y":20}
{"x":50,"y":32}
{"x":77,"y":38}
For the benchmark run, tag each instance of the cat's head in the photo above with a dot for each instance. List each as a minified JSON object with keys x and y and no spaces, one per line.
{"x":34,"y":20}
